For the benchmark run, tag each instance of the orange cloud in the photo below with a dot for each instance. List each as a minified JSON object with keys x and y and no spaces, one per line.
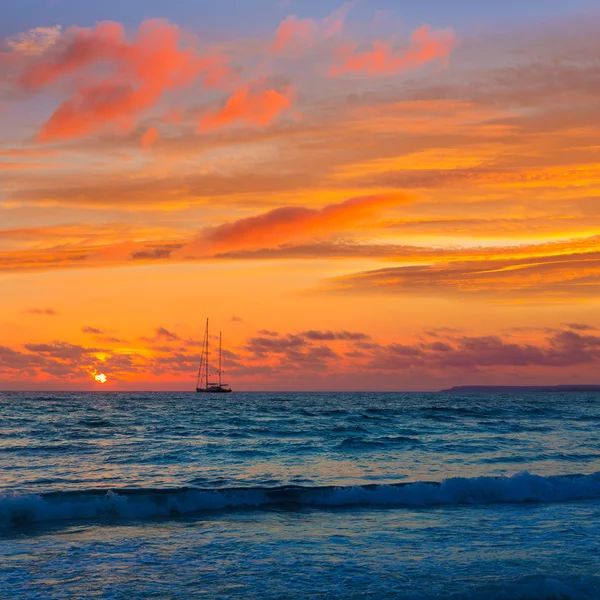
{"x":426,"y":45}
{"x":291,"y":223}
{"x":149,"y":137}
{"x":17,"y":166}
{"x":139,"y":72}
{"x":248,"y":106}
{"x":552,"y":277}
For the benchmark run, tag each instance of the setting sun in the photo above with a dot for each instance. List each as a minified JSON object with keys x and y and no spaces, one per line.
{"x":100,"y":378}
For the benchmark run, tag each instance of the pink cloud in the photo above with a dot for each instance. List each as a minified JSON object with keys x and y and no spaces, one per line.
{"x":426,"y":45}
{"x":334,"y":23}
{"x":250,"y":106}
{"x":299,"y":34}
{"x":135,"y":75}
{"x":294,"y":32}
{"x":149,"y":137}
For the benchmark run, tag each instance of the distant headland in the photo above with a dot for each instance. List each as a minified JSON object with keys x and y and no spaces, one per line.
{"x":523,"y":388}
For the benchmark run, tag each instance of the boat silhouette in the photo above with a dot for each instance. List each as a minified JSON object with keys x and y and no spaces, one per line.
{"x":210,"y":387}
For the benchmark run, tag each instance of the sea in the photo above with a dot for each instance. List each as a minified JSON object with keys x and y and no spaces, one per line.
{"x":300,"y":495}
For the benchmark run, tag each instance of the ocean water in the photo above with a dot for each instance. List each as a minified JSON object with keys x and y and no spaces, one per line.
{"x":252,"y":495}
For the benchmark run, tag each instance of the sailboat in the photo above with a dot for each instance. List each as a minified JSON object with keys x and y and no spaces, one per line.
{"x":210,"y":387}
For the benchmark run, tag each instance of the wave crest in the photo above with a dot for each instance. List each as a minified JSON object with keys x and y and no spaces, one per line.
{"x":18,"y":509}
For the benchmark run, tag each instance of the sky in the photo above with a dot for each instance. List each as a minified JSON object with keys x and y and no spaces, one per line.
{"x":370,"y":195}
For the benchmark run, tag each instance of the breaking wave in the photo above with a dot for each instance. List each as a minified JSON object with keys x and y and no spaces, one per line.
{"x":20,"y":509}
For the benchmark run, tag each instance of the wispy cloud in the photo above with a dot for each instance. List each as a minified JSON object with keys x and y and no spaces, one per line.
{"x":149,"y":137}
{"x":554,"y":276}
{"x":93,"y":330}
{"x":250,"y":105}
{"x":165,"y":334}
{"x":289,"y":224}
{"x":294,"y":32}
{"x":426,"y":45}
{"x":35,"y":41}
{"x":317,"y":335}
{"x":296,"y":35}
{"x":46,"y":312}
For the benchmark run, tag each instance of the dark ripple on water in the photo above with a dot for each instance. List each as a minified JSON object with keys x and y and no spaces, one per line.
{"x":379,"y":442}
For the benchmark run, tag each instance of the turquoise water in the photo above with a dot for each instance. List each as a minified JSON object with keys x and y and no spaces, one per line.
{"x":299,"y":496}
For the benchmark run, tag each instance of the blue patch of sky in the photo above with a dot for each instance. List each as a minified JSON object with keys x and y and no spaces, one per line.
{"x":258,"y":17}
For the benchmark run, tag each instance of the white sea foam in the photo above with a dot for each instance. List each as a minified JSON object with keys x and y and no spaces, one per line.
{"x":16,"y":509}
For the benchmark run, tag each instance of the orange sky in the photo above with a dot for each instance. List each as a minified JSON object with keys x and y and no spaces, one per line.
{"x":355,"y":208}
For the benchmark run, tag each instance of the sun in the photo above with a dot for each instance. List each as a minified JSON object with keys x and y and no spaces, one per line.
{"x":100,"y":378}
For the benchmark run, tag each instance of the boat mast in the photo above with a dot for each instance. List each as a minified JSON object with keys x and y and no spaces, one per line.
{"x":207,"y":353}
{"x":220,"y":343}
{"x":200,"y":370}
{"x":201,"y":363}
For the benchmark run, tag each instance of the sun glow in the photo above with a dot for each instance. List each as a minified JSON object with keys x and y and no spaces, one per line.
{"x":100,"y":378}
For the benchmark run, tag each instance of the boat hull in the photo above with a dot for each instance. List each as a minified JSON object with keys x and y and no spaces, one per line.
{"x":219,"y":390}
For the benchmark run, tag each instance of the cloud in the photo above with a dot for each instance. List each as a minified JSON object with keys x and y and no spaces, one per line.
{"x":439,"y":347}
{"x":334,"y":23}
{"x":93,"y":330}
{"x":149,"y":137}
{"x":62,"y":350}
{"x":294,"y":32}
{"x":275,"y":359}
{"x":442,"y":332}
{"x":41,"y":260}
{"x":260,"y":345}
{"x":111,"y":340}
{"x":491,"y":227}
{"x":297,"y":35}
{"x":290,"y":223}
{"x":472,"y":353}
{"x":137,"y":73}
{"x":562,"y":348}
{"x":250,"y":105}
{"x":289,"y":352}
{"x":568,"y":268}
{"x":334,"y":335}
{"x":64,"y":362}
{"x":156,"y":251}
{"x":164,"y":334}
{"x":428,"y":255}
{"x":556,"y":275}
{"x":580,"y":326}
{"x":481,"y":358}
{"x":35,"y":41}
{"x":155,"y":190}
{"x":426,"y":45}
{"x":47,"y":312}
